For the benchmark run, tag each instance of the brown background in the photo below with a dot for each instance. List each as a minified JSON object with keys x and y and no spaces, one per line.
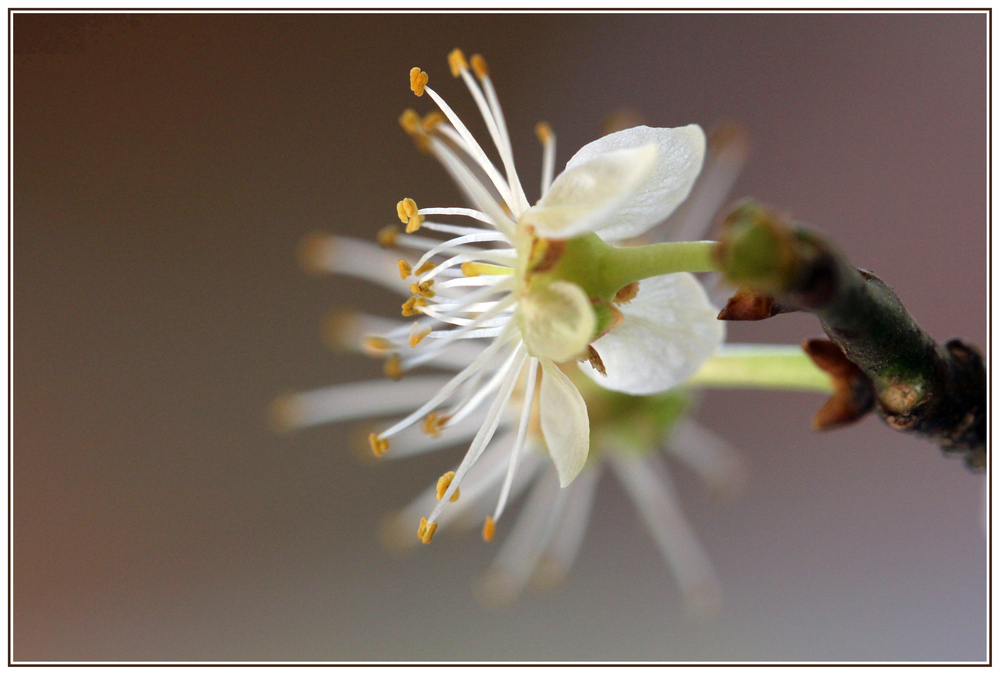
{"x":166,"y":166}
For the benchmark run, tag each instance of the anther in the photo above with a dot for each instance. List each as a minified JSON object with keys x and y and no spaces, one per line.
{"x":412,"y":306}
{"x":544,"y":132}
{"x":314,"y":251}
{"x":479,"y":66}
{"x":418,"y":333}
{"x":426,"y":530}
{"x":408,"y":213}
{"x":379,"y":445}
{"x":418,"y":80}
{"x":392,"y":369}
{"x":426,"y":267}
{"x":410,"y":121}
{"x":474,"y":269}
{"x":489,"y":528}
{"x":404,"y":269}
{"x":442,"y":486}
{"x":387,"y":236}
{"x":432,"y":119}
{"x":423,"y":289}
{"x":376,"y":345}
{"x":434,"y":423}
{"x":457,"y":62}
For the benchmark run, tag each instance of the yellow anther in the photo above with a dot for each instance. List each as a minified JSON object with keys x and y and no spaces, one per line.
{"x":376,"y":345}
{"x":544,"y":132}
{"x":489,"y":528}
{"x":434,"y":423}
{"x":479,"y":66}
{"x":432,"y":119}
{"x":426,"y":267}
{"x":315,"y":250}
{"x":442,"y":486}
{"x":392,"y":369}
{"x":418,"y":333}
{"x":379,"y":444}
{"x":457,"y":62}
{"x":408,"y":213}
{"x":418,"y":80}
{"x":426,"y":530}
{"x":404,"y":269}
{"x":474,"y":269}
{"x":387,"y":236}
{"x":412,"y":306}
{"x":423,"y":290}
{"x":410,"y":121}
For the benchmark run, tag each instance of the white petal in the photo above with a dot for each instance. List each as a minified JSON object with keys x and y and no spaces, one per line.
{"x":678,"y":161}
{"x":565,"y":424}
{"x":669,"y":330}
{"x":587,"y":196}
{"x":557,"y":322}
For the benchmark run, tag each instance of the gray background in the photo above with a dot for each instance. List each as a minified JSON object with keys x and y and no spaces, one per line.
{"x":165,"y":168}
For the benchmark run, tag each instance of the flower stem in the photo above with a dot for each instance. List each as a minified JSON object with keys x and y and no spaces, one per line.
{"x":626,"y":264}
{"x":784,"y":367}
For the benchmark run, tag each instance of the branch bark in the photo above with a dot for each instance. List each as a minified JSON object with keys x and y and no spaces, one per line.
{"x":918,"y":386}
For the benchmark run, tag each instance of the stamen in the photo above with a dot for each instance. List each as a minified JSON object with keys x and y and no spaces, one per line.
{"x":479,"y":66}
{"x":387,"y":236}
{"x":442,"y":486}
{"x":392,"y":369}
{"x":489,"y":529}
{"x":474,"y":269}
{"x":457,"y":62}
{"x":544,"y":132}
{"x":492,"y":420}
{"x":376,"y":345}
{"x":434,"y":423}
{"x":426,"y":267}
{"x":408,"y":213}
{"x":426,"y":530}
{"x":548,"y":140}
{"x":378,"y":444}
{"x":314,"y":250}
{"x":418,"y":80}
{"x":410,"y":121}
{"x":418,"y":333}
{"x":412,"y":306}
{"x":423,"y":289}
{"x":404,"y":269}
{"x":432,"y":120}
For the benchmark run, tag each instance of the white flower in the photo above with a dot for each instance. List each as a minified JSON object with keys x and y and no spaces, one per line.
{"x":526,"y":284}
{"x":632,"y":435}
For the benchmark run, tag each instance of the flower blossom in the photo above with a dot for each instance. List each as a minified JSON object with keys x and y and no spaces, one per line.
{"x":517,"y":288}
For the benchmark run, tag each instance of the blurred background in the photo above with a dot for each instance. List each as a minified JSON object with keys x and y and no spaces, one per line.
{"x":166,"y":166}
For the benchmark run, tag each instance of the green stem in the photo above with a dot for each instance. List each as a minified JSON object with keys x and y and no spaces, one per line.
{"x":602,"y":269}
{"x":626,"y":264}
{"x":762,"y":367}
